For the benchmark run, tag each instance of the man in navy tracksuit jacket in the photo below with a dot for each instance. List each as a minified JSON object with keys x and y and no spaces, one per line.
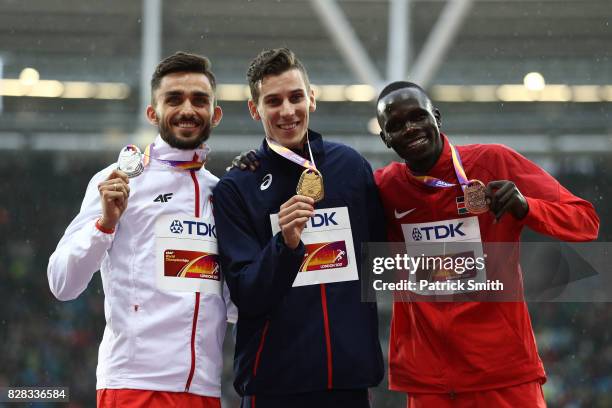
{"x":314,"y":345}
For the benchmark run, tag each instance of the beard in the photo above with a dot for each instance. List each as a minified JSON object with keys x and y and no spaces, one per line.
{"x":169,"y":137}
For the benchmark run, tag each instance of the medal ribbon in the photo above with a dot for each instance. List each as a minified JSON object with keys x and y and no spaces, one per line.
{"x":180,"y":164}
{"x":131,"y":148}
{"x":294,"y":157}
{"x":459,"y":172}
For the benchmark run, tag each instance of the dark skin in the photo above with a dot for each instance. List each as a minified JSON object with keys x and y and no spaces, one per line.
{"x":411,"y":127}
{"x":245,"y":160}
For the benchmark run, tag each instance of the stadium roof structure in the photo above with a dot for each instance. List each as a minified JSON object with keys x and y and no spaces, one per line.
{"x":91,"y":62}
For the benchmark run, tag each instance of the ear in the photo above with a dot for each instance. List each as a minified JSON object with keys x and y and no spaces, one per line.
{"x":438,"y":117}
{"x":385,"y":139}
{"x":313,"y":101}
{"x":217,"y":115}
{"x":253,"y":110}
{"x":152,"y":115}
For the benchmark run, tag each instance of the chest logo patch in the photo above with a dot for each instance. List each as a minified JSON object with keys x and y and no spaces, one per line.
{"x":163,"y":198}
{"x":402,"y":214}
{"x":267,"y":180}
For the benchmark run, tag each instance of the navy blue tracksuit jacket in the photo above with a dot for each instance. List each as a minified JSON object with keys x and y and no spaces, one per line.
{"x":310,"y":338}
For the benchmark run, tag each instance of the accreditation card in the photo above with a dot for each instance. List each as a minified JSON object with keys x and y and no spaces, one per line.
{"x":330,"y":255}
{"x":186,"y":254}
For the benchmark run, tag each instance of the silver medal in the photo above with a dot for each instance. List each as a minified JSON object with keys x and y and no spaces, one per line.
{"x":130,"y":161}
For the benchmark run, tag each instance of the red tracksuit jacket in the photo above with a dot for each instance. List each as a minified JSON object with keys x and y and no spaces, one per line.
{"x":471,"y":346}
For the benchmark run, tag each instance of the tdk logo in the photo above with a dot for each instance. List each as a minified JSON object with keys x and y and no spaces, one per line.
{"x":193,"y":228}
{"x":322,"y":220}
{"x":176,"y":227}
{"x":438,"y":232}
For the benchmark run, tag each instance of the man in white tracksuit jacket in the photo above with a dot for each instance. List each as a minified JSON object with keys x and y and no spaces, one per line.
{"x":160,"y":348}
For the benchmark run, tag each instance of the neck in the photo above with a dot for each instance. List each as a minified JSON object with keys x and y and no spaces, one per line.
{"x":422,"y":167}
{"x":298,"y":147}
{"x":301,"y":146}
{"x":301,"y":150}
{"x":180,"y":145}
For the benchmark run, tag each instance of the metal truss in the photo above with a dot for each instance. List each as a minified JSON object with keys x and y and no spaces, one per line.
{"x":398,"y":48}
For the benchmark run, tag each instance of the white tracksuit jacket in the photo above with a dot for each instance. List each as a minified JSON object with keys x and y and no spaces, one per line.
{"x":154,"y":339}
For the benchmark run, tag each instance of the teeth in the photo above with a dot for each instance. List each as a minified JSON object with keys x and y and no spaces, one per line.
{"x":288,"y":127}
{"x":417,"y":142}
{"x":186,"y":124}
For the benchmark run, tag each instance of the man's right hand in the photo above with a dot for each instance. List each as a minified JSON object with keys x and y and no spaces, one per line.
{"x":114,"y":193}
{"x":245,"y":160}
{"x":292,"y":218}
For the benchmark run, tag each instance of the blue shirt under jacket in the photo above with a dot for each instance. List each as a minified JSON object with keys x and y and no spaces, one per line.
{"x":309,"y":338}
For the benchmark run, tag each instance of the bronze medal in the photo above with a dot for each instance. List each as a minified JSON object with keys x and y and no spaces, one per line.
{"x":475,"y":197}
{"x":311,"y":185}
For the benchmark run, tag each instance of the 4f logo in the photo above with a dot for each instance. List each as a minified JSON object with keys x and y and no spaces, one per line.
{"x":163,"y":198}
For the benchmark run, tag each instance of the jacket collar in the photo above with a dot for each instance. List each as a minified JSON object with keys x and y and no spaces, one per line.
{"x":163,"y":151}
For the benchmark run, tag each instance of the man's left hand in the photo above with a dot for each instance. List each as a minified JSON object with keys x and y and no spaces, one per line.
{"x":504,"y":196}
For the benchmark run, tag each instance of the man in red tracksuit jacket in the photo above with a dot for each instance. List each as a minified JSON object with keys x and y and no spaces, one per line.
{"x":468,"y":354}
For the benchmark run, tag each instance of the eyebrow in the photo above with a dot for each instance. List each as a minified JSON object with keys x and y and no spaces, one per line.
{"x":393,"y":108}
{"x":292,"y":92}
{"x":179,"y":93}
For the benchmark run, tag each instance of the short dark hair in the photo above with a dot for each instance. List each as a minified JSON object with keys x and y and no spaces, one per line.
{"x":182,"y":62}
{"x":394,"y":86}
{"x":272,"y":62}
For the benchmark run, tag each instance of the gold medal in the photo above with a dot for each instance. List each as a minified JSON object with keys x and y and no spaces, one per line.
{"x":311,"y":185}
{"x":475,"y":197}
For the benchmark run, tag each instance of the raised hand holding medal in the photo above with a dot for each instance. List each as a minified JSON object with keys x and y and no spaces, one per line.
{"x":295,"y":212}
{"x":115,"y":191}
{"x":499,"y":196}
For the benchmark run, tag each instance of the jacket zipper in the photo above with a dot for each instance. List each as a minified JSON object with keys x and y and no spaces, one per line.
{"x":196,"y":307}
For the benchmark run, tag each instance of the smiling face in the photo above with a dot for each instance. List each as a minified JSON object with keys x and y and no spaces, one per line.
{"x":184,"y":109}
{"x":410,"y":125}
{"x":283,"y":106}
